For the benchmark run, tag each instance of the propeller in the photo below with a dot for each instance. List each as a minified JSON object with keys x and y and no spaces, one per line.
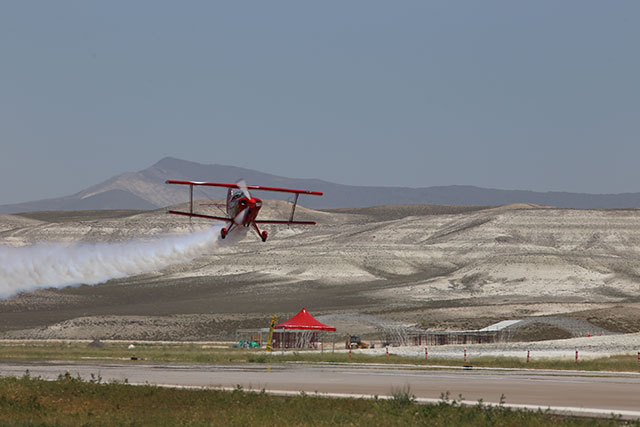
{"x":242,"y":185}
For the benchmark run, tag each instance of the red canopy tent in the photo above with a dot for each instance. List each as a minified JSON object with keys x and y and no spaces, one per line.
{"x":303,"y":320}
{"x":301,"y":331}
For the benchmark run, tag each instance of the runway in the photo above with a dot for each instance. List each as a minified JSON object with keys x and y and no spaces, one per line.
{"x":585,"y":393}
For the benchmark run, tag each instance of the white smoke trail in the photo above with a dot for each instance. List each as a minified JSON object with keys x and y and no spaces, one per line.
{"x":55,"y":265}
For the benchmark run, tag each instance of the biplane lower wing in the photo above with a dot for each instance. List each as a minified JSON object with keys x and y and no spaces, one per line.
{"x":248,"y":187}
{"x":195,"y":215}
{"x":284,"y":222}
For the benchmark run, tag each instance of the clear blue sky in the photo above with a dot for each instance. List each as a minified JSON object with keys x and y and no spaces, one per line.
{"x":539,"y":95}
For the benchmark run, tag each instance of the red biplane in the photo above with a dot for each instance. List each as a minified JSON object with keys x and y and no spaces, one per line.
{"x":242,"y":208}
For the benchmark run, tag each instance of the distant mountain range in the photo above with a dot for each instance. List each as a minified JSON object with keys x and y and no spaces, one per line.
{"x":146,"y":190}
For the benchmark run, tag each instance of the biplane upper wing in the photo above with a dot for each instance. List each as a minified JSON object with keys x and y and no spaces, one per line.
{"x":249,"y":187}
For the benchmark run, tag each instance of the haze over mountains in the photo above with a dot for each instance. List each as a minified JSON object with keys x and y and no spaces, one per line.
{"x":146,"y":189}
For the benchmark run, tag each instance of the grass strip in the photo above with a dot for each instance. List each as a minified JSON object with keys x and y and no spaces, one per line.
{"x":73,"y":402}
{"x":199,"y":353}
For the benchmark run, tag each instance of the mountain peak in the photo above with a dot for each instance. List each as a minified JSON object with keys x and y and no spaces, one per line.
{"x":172,"y":162}
{"x":135,"y":190}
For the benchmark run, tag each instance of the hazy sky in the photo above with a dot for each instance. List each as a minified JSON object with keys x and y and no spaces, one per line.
{"x":539,"y":95}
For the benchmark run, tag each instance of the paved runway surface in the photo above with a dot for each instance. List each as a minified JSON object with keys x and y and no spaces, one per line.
{"x":574,"y":392}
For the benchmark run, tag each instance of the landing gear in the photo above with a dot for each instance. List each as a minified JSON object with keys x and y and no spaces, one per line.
{"x":262,"y":234}
{"x":223,"y":233}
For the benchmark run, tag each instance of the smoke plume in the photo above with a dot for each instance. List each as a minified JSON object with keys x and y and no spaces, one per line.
{"x":55,"y":265}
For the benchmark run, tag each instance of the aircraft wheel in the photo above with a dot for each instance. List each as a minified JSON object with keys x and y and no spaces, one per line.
{"x":264,"y":236}
{"x":223,"y":233}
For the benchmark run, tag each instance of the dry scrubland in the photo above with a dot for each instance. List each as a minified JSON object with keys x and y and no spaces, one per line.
{"x":432,"y":266}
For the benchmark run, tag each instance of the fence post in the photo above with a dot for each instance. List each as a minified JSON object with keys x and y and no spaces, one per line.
{"x":528,"y":355}
{"x":426,"y":354}
{"x":465,"y":355}
{"x":387,"y":347}
{"x":576,"y":356}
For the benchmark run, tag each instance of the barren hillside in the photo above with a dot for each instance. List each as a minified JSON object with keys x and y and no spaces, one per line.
{"x":436,"y":268}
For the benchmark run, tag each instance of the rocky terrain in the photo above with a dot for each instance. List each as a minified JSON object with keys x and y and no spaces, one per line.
{"x":444,"y":267}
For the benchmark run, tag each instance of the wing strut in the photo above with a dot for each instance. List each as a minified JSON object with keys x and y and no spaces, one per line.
{"x":293,"y":208}
{"x":190,"y":198}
